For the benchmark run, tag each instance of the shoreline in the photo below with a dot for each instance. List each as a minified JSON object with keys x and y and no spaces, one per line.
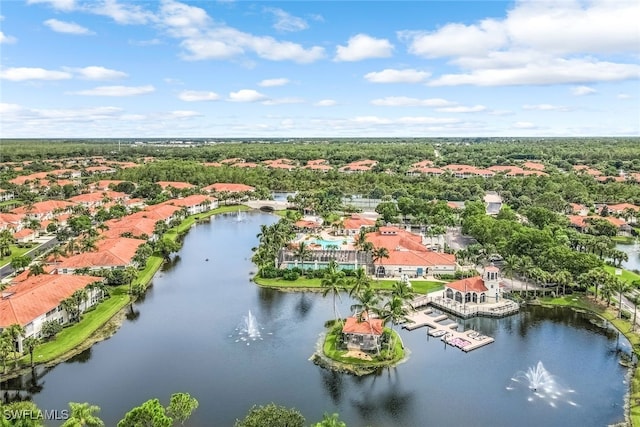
{"x":107,"y":329}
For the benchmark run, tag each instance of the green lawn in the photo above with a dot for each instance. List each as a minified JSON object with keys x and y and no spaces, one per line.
{"x":15,"y":251}
{"x":578,"y":301}
{"x":421,"y":287}
{"x":627,"y":276}
{"x":72,"y":336}
{"x":332,"y":352}
{"x":625,"y":240}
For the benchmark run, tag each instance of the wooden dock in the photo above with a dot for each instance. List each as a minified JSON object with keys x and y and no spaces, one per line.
{"x":464,"y":340}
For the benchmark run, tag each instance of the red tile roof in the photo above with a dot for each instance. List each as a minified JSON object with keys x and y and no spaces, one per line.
{"x":366,"y":327}
{"x":230,"y":187}
{"x":355,"y":222}
{"x":620,"y":207}
{"x":174,"y":184}
{"x":471,"y":284}
{"x":193,"y":200}
{"x":97,"y":197}
{"x":23,"y":302}
{"x":111,"y":253}
{"x":533,"y":165}
{"x":44,"y":207}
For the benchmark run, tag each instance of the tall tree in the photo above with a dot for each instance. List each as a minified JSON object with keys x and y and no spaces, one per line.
{"x":15,"y":331}
{"x":333,"y":282}
{"x":150,"y":414}
{"x":82,"y":415}
{"x":302,"y":253}
{"x":181,"y":406}
{"x":30,"y":344}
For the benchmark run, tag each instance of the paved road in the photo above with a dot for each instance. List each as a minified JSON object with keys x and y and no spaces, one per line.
{"x":456,"y":240}
{"x":44,"y":246}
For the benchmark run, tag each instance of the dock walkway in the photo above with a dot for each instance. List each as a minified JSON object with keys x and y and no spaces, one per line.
{"x":465,"y":340}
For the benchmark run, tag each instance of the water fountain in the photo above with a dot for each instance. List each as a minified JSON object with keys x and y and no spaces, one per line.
{"x":543,"y":385}
{"x":249,"y":330}
{"x":240,"y":216}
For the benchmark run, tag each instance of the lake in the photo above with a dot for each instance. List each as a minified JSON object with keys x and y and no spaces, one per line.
{"x":185,"y":337}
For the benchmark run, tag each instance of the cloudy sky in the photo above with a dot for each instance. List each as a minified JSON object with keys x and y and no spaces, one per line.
{"x":120,"y":68}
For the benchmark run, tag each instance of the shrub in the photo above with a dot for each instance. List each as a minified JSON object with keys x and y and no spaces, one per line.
{"x":290,"y":275}
{"x":50,"y":329}
{"x":269,"y":272}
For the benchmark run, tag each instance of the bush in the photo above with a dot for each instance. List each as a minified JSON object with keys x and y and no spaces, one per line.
{"x":270,"y":273}
{"x":319,"y":273}
{"x":50,"y":329}
{"x":291,"y":275}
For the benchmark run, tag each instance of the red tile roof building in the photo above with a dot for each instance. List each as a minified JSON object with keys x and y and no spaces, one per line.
{"x":228,"y":187}
{"x":477,"y":289}
{"x":110,"y":254}
{"x":37,"y":299}
{"x":407,"y":255}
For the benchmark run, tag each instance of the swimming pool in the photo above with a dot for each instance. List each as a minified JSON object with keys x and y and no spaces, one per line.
{"x":327,"y":244}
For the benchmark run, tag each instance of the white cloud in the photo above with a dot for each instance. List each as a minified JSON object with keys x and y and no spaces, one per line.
{"x":117,"y":91}
{"x":538,"y":43}
{"x":623,"y":96}
{"x":284,"y":21}
{"x":194,"y":95}
{"x":390,"y":75}
{"x":273,"y":82}
{"x":325,"y":103}
{"x":545,"y":107}
{"x":94,"y":72}
{"x":204,"y":39}
{"x":456,"y":39}
{"x":462,"y":109}
{"x":4,"y":39}
{"x":281,"y":101}
{"x":553,"y":72}
{"x":67,"y":27}
{"x":523,"y":125}
{"x":183,"y":114}
{"x":403,"y":101}
{"x":65,"y":5}
{"x":145,"y":43}
{"x":426,"y":120}
{"x":246,"y":95}
{"x":582,"y":90}
{"x":6,"y":108}
{"x":20,"y":74}
{"x":362,"y":46}
{"x":126,"y":14}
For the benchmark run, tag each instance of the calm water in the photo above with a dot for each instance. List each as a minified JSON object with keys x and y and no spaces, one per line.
{"x":185,"y":338}
{"x":634,"y":256}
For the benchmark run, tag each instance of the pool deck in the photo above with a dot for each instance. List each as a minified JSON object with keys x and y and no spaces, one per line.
{"x":423,"y":318}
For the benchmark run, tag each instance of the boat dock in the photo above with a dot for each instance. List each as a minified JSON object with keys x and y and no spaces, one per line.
{"x":464,"y":340}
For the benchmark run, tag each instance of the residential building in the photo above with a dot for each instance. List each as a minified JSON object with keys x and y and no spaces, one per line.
{"x":37,"y":299}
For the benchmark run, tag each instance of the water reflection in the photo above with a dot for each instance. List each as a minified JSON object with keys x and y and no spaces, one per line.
{"x":82,"y":357}
{"x":191,"y":312}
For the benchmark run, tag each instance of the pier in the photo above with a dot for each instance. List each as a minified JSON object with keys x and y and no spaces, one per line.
{"x":464,"y":340}
{"x":424,"y":316}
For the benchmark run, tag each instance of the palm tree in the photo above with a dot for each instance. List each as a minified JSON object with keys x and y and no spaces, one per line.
{"x":621,"y":287}
{"x":6,"y":347}
{"x":563,"y":278}
{"x":524,"y":267}
{"x":303,"y":253}
{"x":509,"y":267}
{"x":36,"y":269}
{"x":30,"y":344}
{"x":359,"y":282}
{"x":82,"y":415}
{"x":57,"y":253}
{"x":15,"y":331}
{"x":6,"y":240}
{"x":130,"y":273}
{"x":379,"y":254}
{"x":333,"y":282}
{"x":394,"y":311}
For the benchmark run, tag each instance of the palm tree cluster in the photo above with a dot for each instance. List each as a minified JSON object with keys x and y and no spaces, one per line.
{"x":272,"y":238}
{"x":393,"y":308}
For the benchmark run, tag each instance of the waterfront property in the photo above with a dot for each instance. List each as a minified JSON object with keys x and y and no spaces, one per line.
{"x":362,"y":333}
{"x":38,"y":299}
{"x":477,"y":289}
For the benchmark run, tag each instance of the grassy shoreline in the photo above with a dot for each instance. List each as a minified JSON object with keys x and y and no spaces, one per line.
{"x":101,"y":322}
{"x":622,"y":325}
{"x":420,"y":287}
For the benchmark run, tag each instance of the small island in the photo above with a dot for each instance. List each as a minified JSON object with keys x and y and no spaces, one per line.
{"x":360,"y":345}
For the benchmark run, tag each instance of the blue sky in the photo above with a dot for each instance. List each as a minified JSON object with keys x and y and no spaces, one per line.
{"x":119,"y":68}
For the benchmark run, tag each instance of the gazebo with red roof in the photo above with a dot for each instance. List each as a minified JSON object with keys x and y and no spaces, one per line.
{"x":477,"y":289}
{"x":362,"y":333}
